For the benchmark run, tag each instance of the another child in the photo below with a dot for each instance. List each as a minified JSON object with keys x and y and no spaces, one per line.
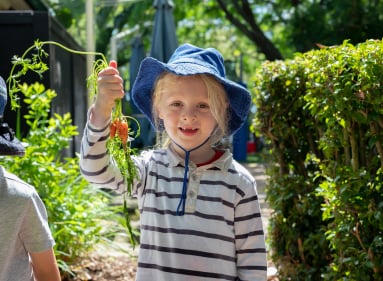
{"x":26,"y":243}
{"x":199,"y":212}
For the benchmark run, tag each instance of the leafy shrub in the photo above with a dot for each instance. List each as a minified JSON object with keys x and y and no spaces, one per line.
{"x":322,"y":117}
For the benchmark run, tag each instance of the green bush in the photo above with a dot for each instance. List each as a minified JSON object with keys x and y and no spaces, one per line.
{"x":322,"y":116}
{"x":296,"y":229}
{"x":77,"y":212}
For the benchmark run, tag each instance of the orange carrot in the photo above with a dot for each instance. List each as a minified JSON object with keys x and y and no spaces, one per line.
{"x":113,"y":128}
{"x":123,"y":130}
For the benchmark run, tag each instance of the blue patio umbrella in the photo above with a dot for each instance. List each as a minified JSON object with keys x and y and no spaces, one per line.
{"x":138,"y":54}
{"x":147,"y":135}
{"x":164,"y":38}
{"x":163,"y":44}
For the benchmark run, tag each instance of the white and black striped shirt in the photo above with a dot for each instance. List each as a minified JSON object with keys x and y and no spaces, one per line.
{"x":220,"y":236}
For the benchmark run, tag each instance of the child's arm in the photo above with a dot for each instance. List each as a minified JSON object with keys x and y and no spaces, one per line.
{"x":44,"y":266}
{"x":95,"y":163}
{"x":250,"y":239}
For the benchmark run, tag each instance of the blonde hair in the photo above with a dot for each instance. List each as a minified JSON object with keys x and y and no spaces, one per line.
{"x":218,"y":102}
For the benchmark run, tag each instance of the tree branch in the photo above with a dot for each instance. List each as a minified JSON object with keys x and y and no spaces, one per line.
{"x":254,"y":33}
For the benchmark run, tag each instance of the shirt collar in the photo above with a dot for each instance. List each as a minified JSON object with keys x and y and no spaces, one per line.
{"x":223,"y":163}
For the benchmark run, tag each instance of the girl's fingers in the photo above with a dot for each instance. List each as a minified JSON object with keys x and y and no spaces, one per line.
{"x":108,"y":71}
{"x":112,"y":79}
{"x":111,"y":70}
{"x":110,"y":83}
{"x":111,"y":86}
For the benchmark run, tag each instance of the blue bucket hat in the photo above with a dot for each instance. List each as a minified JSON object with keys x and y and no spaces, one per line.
{"x":9,"y":144}
{"x":190,"y":60}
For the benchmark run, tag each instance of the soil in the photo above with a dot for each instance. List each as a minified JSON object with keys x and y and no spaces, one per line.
{"x":116,"y":261}
{"x":104,"y":268}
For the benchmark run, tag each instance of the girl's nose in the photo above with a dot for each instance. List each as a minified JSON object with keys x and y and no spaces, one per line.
{"x":189,"y":113}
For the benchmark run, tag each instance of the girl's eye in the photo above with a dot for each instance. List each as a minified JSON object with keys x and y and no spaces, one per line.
{"x":176,"y":104}
{"x":203,"y":106}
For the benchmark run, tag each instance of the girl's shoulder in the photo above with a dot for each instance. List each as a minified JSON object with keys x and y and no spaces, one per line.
{"x":241,"y":170}
{"x":148,"y":155}
{"x":153,"y":152}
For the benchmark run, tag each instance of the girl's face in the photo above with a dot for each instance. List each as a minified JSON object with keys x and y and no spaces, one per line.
{"x":185,"y":110}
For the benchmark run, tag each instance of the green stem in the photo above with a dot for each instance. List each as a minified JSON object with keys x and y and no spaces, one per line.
{"x":18,"y":125}
{"x":13,"y":85}
{"x":72,"y":51}
{"x":138,"y":132}
{"x":128,"y":223}
{"x":117,"y":113}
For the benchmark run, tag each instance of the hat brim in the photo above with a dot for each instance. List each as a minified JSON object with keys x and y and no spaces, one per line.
{"x":151,"y":68}
{"x":11,"y":147}
{"x":9,"y":144}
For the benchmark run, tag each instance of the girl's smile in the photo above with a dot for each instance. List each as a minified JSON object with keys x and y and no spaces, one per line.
{"x":188,"y":132}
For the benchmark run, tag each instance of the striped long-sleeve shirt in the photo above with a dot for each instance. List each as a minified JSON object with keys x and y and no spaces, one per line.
{"x":220,"y":236}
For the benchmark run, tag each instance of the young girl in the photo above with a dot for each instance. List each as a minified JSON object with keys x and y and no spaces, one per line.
{"x":199,"y":212}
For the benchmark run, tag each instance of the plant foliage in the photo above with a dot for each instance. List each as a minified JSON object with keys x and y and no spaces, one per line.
{"x":322,"y":116}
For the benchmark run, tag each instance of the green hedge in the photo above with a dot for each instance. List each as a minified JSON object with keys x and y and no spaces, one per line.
{"x":322,"y":116}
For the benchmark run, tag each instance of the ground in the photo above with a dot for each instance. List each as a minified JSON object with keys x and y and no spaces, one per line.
{"x":101,"y":268}
{"x":116,"y":261}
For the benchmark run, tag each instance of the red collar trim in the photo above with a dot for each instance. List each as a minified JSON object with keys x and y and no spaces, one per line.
{"x":217,"y":155}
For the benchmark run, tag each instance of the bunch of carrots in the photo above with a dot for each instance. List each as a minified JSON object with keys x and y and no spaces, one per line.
{"x":120,"y":128}
{"x":118,"y":145}
{"x":119,"y":141}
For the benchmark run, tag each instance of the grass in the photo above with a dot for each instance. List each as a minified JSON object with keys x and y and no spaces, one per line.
{"x":255,"y":158}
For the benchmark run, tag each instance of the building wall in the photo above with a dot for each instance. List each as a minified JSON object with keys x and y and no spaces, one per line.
{"x":67,"y":71}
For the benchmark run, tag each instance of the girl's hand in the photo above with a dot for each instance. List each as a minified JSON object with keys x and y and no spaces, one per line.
{"x":110,"y":88}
